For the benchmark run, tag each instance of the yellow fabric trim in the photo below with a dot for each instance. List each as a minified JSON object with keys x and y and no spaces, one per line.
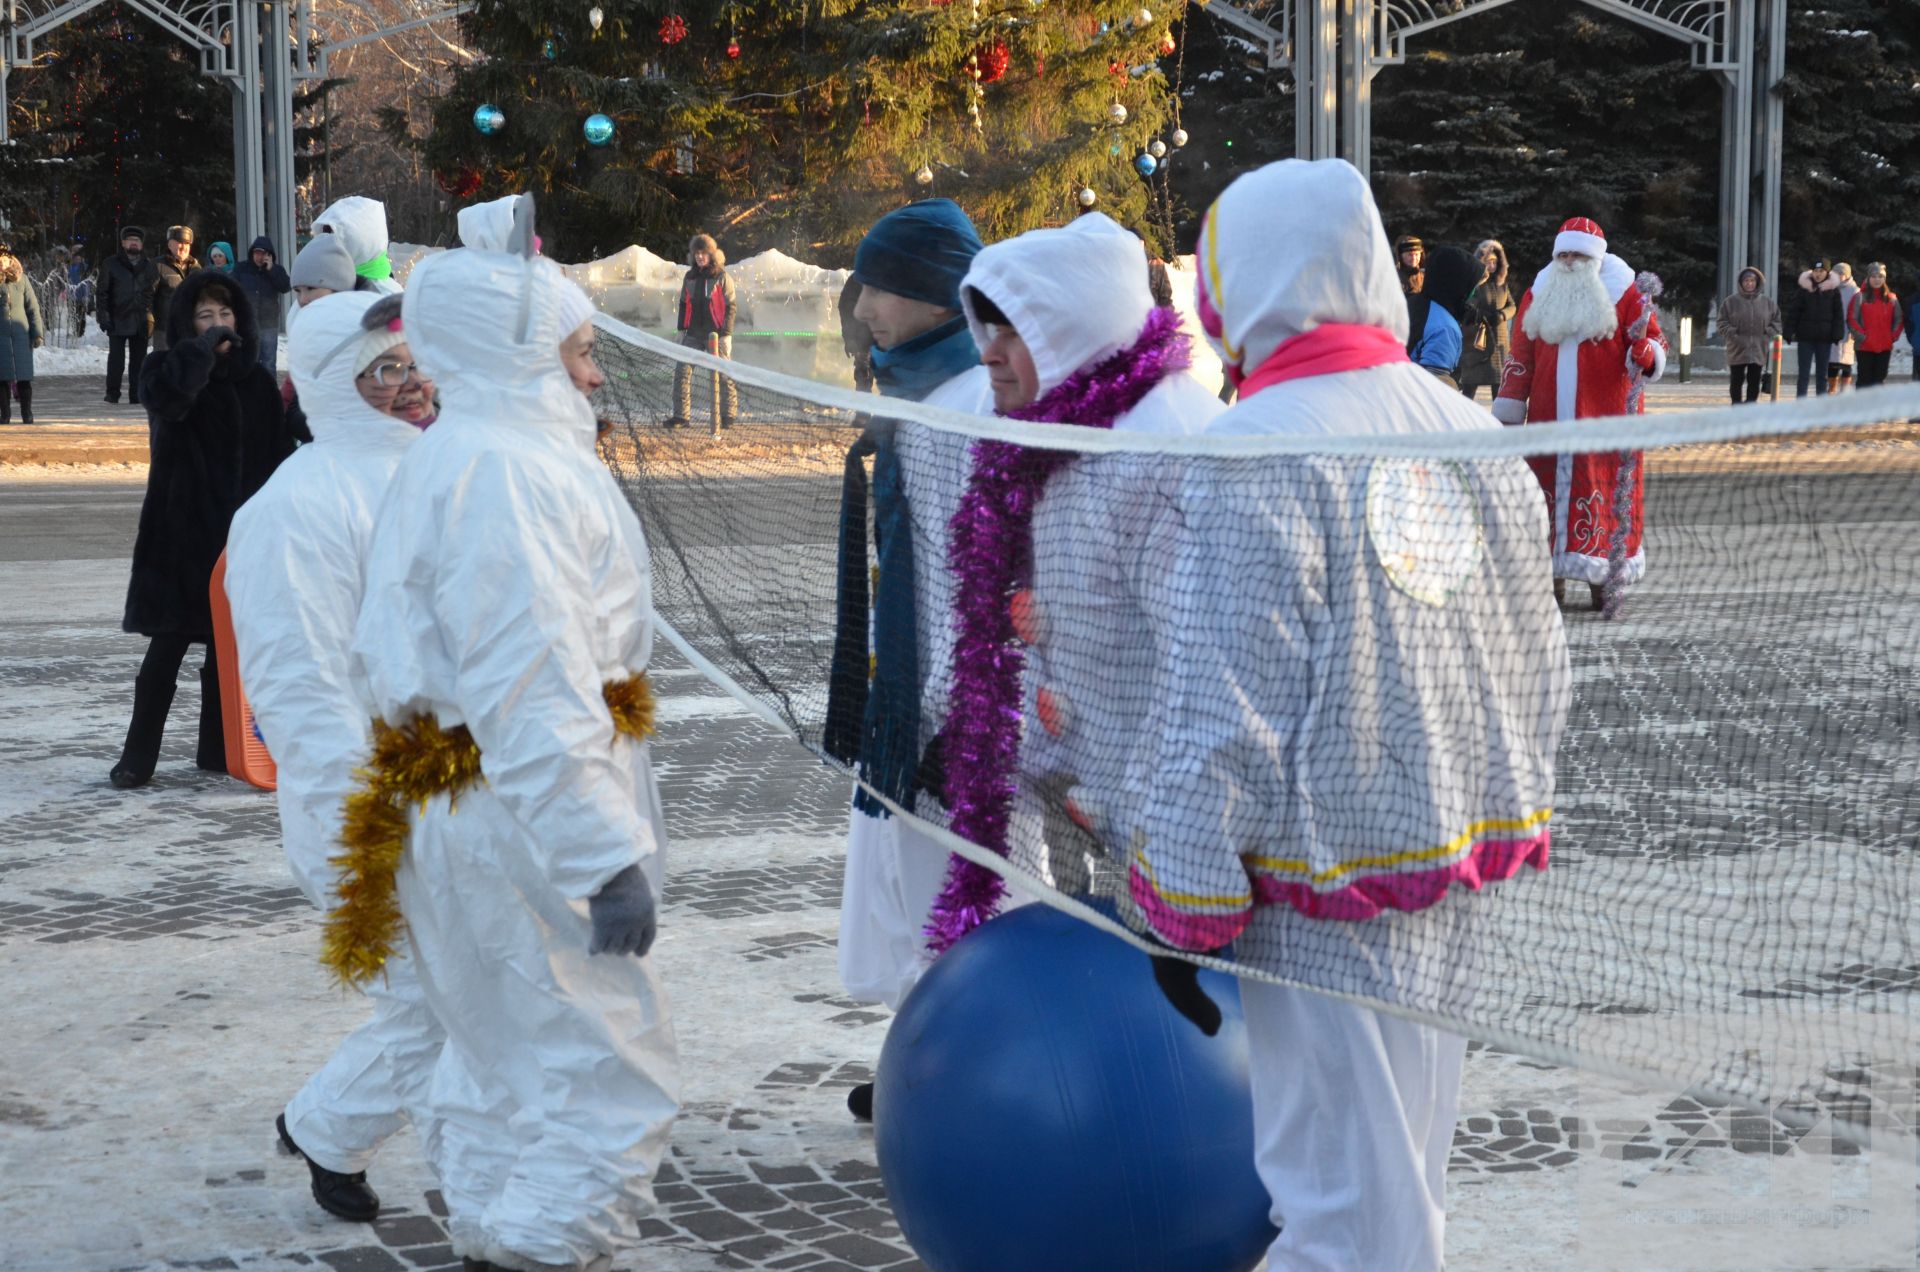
{"x":1215,"y":295}
{"x":409,"y":765}
{"x":1458,"y":844}
{"x":1238,"y":901}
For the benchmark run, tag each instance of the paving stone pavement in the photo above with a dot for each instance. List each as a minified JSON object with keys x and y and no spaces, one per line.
{"x":162,"y":1002}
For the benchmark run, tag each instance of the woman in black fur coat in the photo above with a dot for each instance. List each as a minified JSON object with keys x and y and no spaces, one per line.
{"x":217,"y":432}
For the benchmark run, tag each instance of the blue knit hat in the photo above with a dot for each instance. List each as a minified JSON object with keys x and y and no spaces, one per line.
{"x":921,"y":251}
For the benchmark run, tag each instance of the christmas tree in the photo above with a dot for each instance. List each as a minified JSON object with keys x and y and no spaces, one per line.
{"x":795,"y":123}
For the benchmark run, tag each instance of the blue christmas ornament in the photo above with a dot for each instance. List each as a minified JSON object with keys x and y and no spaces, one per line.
{"x":488,"y":119}
{"x":598,"y":129}
{"x":551,"y":49}
{"x":1145,"y":164}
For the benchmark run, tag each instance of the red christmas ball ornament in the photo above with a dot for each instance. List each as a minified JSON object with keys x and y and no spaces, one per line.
{"x":1167,"y":46}
{"x":673,"y":29}
{"x":1114,"y":68}
{"x":460,"y":184}
{"x":993,"y":60}
{"x":733,"y":48}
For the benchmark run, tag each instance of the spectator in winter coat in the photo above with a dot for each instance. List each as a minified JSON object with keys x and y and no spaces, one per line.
{"x":21,"y":332}
{"x":1841,"y":359}
{"x":1433,"y":323}
{"x":705,"y":312}
{"x":1913,"y":323}
{"x":1486,"y":333}
{"x":855,"y":336}
{"x":124,"y":307}
{"x":220,"y":256}
{"x":1814,"y":320}
{"x":1876,"y":322}
{"x":1410,"y":256}
{"x":261,"y":277}
{"x":218,"y":432}
{"x":1749,"y":321}
{"x":176,"y":262}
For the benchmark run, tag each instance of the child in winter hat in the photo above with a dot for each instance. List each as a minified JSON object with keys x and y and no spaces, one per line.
{"x":321,"y":268}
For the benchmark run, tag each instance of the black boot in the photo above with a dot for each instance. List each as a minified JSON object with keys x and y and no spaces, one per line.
{"x":211,"y":754}
{"x":860,"y":1102}
{"x":6,"y":402}
{"x":26,"y":401}
{"x":343,"y":1196}
{"x":1597,"y":594}
{"x":152,"y":697}
{"x":1560,"y":591}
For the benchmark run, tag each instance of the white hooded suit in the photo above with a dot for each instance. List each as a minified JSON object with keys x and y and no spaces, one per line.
{"x":361,"y":224}
{"x":508,"y":582}
{"x":296,"y":554}
{"x":1366,"y":693}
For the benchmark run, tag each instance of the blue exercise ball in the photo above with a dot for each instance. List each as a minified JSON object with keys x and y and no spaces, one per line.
{"x":1040,"y":1105}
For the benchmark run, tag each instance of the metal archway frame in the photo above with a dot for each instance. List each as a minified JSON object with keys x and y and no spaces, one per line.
{"x":1336,"y":47}
{"x":260,"y":47}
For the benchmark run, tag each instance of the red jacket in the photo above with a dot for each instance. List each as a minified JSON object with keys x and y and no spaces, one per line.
{"x":1875,"y":320}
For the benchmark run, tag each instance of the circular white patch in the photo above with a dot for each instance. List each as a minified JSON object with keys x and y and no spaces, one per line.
{"x":1423,"y":518}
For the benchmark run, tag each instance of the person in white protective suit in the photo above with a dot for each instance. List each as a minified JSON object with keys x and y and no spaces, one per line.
{"x":488,"y":226}
{"x":908,"y":267}
{"x":1364,"y":684}
{"x":295,"y":556}
{"x":361,"y":224}
{"x":1047,"y":308}
{"x":508,"y":591}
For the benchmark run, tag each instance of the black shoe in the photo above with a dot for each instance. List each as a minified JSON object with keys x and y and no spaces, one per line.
{"x":111,"y":400}
{"x":343,"y":1196}
{"x":860,"y":1102}
{"x":126,"y":776}
{"x":674,"y":421}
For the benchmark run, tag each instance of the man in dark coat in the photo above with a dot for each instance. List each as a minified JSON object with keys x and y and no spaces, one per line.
{"x":265,"y":282}
{"x":176,"y":262}
{"x":124,"y":306}
{"x":1814,"y":318}
{"x":218,"y":432}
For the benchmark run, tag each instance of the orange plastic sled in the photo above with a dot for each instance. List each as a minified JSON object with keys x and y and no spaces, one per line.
{"x":247,"y":757}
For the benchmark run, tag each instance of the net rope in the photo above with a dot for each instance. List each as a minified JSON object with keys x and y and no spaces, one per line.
{"x":1729,"y":770}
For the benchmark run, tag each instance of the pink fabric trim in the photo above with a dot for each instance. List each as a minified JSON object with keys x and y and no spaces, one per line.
{"x":1488,"y":862}
{"x":1329,"y":348}
{"x":1177,"y":927}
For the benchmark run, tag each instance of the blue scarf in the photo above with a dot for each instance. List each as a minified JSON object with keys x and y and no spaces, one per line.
{"x":874,"y":722}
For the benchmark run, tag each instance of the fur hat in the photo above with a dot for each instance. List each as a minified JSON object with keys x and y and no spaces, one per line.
{"x":133,"y":232}
{"x":180,"y":234}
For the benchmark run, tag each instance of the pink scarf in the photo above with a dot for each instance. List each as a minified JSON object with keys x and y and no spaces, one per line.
{"x":1328,"y":348}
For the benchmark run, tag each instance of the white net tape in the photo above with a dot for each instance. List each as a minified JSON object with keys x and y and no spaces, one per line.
{"x":1732,"y":765}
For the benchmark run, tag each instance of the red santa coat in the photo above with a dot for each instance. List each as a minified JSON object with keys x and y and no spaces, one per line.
{"x":1545,"y":382}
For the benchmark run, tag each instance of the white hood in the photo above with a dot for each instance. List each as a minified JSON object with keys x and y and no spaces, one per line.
{"x":1302,"y":244}
{"x":1075,"y":294}
{"x":488,"y":226}
{"x":487,"y":326}
{"x":361,"y":224}
{"x":321,"y":356}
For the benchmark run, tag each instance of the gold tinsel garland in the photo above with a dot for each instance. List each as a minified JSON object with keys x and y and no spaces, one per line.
{"x":408,"y":766}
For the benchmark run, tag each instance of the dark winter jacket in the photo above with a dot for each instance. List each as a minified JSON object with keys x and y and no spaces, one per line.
{"x":1748,"y":324}
{"x":124,"y":303}
{"x":217,"y":433}
{"x":1487,"y":331}
{"x":264,"y":287}
{"x":170,"y":277}
{"x":706,"y":296}
{"x":1814,"y":315}
{"x":1876,"y":320}
{"x":20,"y":325}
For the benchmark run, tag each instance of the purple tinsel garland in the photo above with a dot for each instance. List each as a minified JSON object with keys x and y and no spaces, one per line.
{"x":990,"y":553}
{"x":1628,"y":474}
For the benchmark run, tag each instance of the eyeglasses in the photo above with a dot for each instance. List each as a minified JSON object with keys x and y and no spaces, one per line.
{"x":391,"y":375}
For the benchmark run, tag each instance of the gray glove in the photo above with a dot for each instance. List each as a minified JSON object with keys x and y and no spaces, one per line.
{"x":625,"y":919}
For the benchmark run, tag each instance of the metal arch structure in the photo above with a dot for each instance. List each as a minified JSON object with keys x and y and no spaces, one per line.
{"x":1336,"y":47}
{"x":260,"y":47}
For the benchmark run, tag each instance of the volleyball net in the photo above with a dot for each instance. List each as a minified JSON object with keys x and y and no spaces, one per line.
{"x":1308,"y":709}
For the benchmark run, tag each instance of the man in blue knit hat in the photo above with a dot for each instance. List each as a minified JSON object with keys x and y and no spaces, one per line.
{"x":890,"y":653}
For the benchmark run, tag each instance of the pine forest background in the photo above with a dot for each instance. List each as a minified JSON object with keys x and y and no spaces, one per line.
{"x":793,"y":124}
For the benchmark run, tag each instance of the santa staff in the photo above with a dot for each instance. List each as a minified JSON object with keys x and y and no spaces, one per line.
{"x":1583,"y":335}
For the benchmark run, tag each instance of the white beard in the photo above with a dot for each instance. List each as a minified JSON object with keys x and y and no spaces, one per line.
{"x":1570,"y":303}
